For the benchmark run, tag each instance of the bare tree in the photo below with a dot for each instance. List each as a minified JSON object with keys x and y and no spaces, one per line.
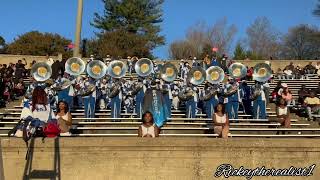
{"x":302,"y":42}
{"x":181,"y":49}
{"x":221,"y":35}
{"x":201,"y":36}
{"x":263,"y":39}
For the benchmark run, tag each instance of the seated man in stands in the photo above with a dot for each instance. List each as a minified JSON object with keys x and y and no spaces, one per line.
{"x":302,"y":93}
{"x":310,"y":69}
{"x":313,"y":104}
{"x":279,"y":73}
{"x":288,"y":73}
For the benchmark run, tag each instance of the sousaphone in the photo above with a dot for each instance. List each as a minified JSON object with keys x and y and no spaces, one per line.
{"x":168,"y":72}
{"x":41,"y":71}
{"x":237,"y":70}
{"x":96,"y":69}
{"x":144,"y":67}
{"x":117,"y":69}
{"x":215,"y":75}
{"x":75,"y":66}
{"x":196,"y":76}
{"x":262,"y":72}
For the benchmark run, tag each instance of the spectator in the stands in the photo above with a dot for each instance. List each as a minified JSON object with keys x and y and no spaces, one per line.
{"x":56,"y":69}
{"x":274,"y":93}
{"x":215,"y":62}
{"x":302,"y":93}
{"x":290,"y":66}
{"x":310,"y":69}
{"x":64,"y":117}
{"x":317,"y":90}
{"x":148,"y":128}
{"x":20,"y":69}
{"x":286,"y":94}
{"x":279,"y":73}
{"x":19,"y":88}
{"x":221,"y":121}
{"x":283,"y":113}
{"x":312,"y":103}
{"x":288,"y":73}
{"x":317,"y":66}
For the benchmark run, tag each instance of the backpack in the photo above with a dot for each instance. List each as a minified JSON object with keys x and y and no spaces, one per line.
{"x":52,"y":129}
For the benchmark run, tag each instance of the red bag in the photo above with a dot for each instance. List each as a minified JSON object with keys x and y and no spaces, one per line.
{"x":52,"y":129}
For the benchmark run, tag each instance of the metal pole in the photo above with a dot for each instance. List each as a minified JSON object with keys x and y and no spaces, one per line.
{"x":76,"y":49}
{"x":1,"y":163}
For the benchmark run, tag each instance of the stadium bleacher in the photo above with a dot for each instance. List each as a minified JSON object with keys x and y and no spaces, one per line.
{"x":178,"y":125}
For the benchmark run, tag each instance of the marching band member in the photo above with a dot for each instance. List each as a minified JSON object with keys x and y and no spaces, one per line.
{"x":175,"y":98}
{"x":116,"y":98}
{"x":167,"y":94}
{"x":246,"y":100}
{"x":138,"y":90}
{"x":181,"y":67}
{"x":210,"y":98}
{"x":67,"y":93}
{"x":89,"y":98}
{"x":103,"y":86}
{"x":191,"y":103}
{"x":259,"y":97}
{"x":233,"y":98}
{"x":78,"y":82}
{"x":130,"y":67}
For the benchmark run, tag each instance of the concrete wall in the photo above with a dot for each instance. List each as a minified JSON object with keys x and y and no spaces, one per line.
{"x":162,"y":158}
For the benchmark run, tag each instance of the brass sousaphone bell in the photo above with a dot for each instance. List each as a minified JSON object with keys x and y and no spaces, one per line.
{"x":41,"y":71}
{"x":215,"y":75}
{"x":75,"y":66}
{"x":196,"y":76}
{"x":96,"y":69}
{"x":168,"y":72}
{"x":117,"y":69}
{"x":144,"y":67}
{"x":237,"y":70}
{"x":262,"y":72}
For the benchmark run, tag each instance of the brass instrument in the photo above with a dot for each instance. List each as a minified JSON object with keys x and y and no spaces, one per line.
{"x":262,"y":72}
{"x":88,"y":90}
{"x":96,"y":69}
{"x":168,"y":72}
{"x":237,"y":70}
{"x":215,"y":75}
{"x":196,"y":76}
{"x":144,"y":67}
{"x":231,"y":90}
{"x":114,"y":91}
{"x":117,"y":69}
{"x":137,"y":88}
{"x":185,"y":95}
{"x":75,"y":66}
{"x":41,"y":71}
{"x":256,"y":93}
{"x":65,"y":84}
